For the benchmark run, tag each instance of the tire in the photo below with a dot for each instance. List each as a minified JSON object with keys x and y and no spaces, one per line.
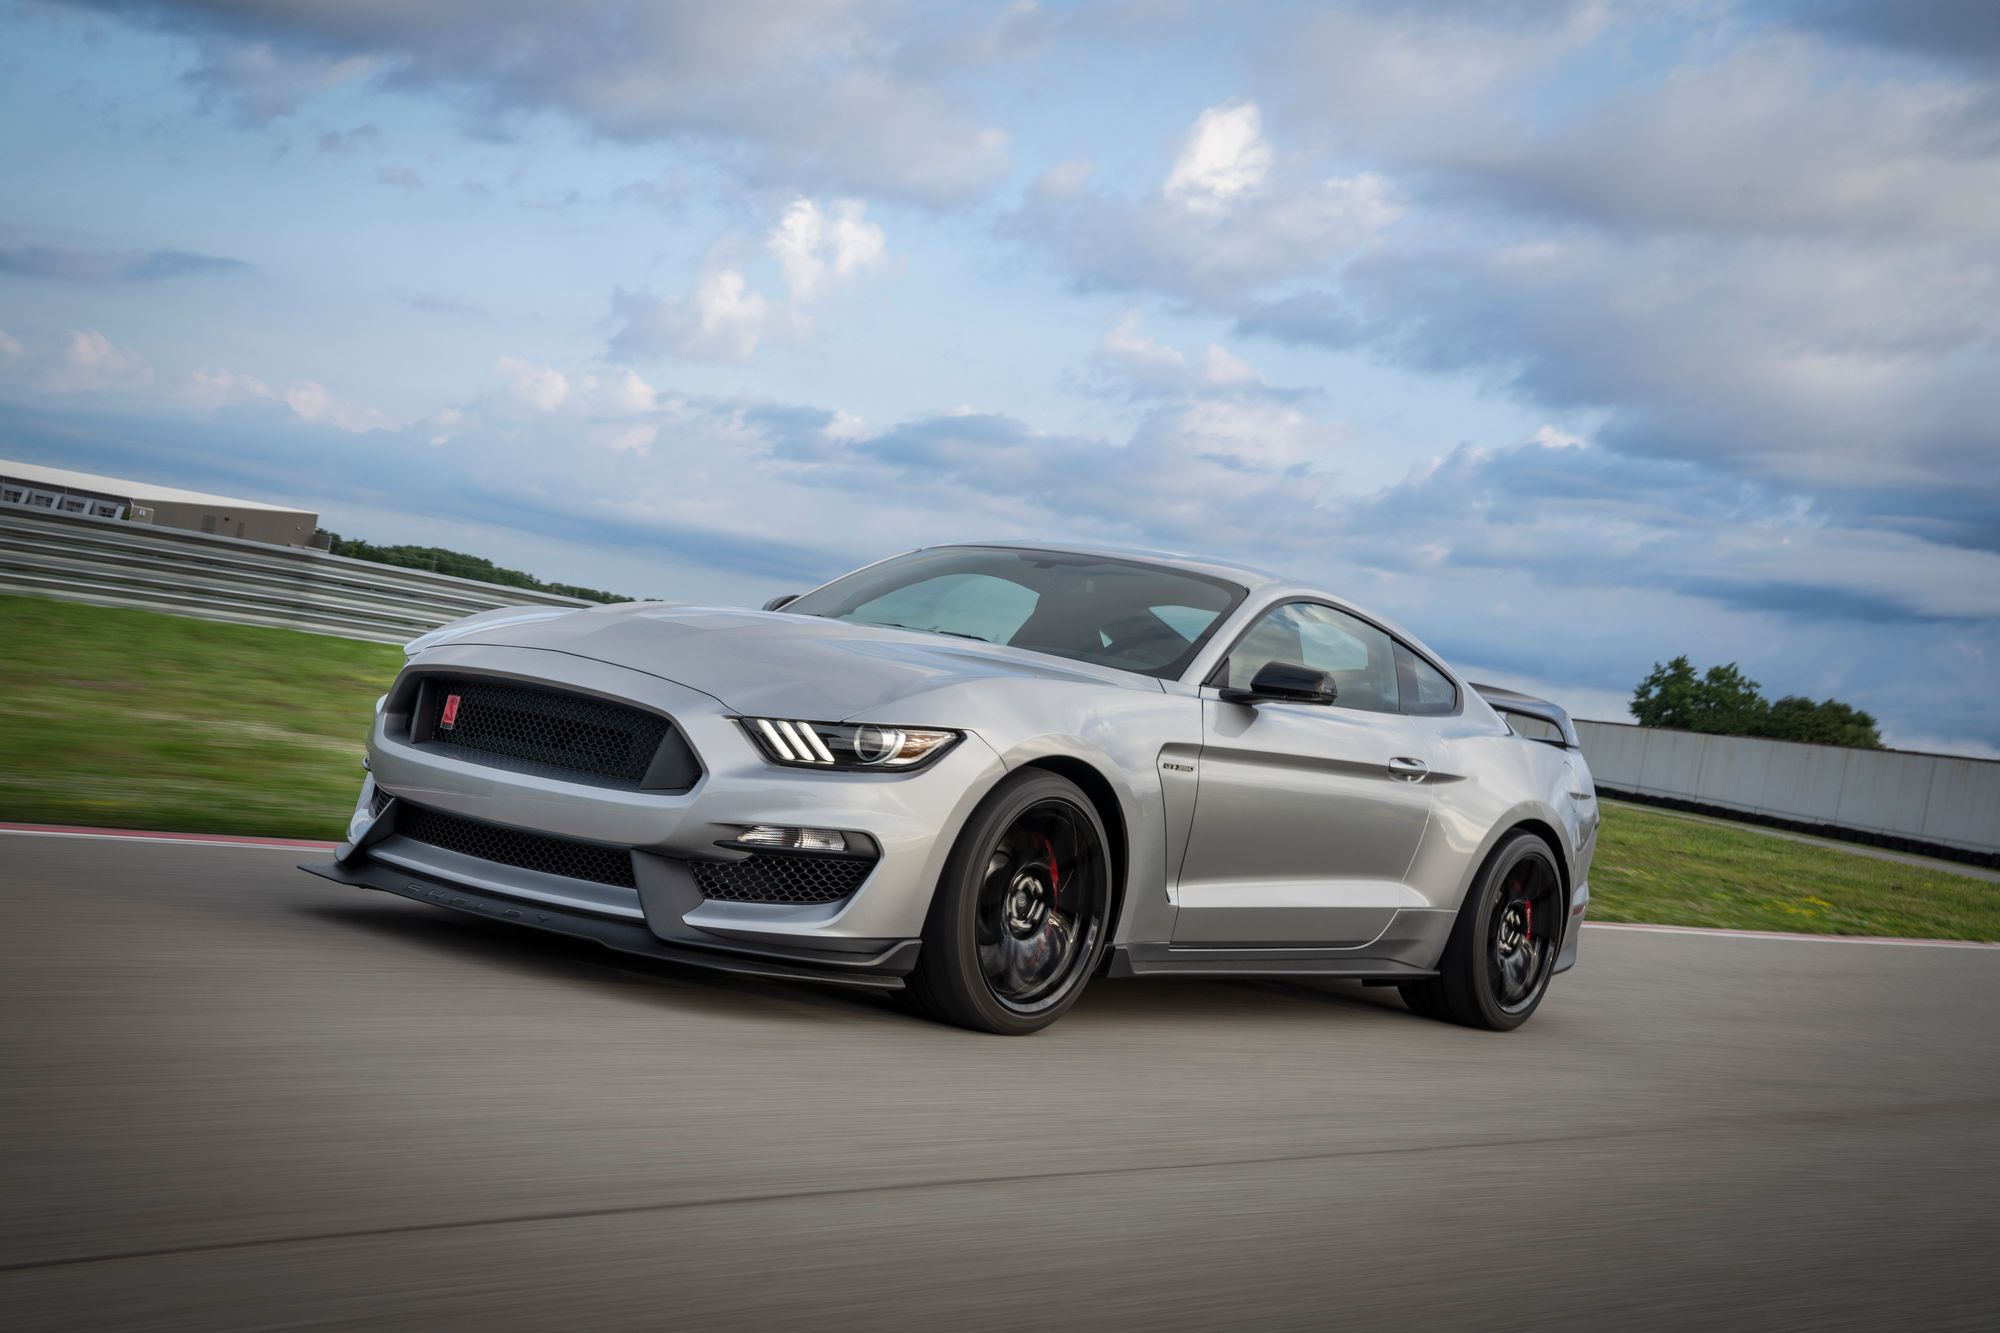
{"x":1496,"y":966}
{"x":1021,"y":913}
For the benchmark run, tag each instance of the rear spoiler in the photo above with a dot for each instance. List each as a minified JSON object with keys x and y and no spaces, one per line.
{"x":1522,"y":705}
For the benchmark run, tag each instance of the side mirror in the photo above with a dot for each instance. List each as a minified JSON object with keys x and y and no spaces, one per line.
{"x":1285,"y":682}
{"x":780,"y":603}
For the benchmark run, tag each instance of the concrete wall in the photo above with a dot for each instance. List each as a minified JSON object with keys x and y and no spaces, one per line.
{"x":1892,"y":794}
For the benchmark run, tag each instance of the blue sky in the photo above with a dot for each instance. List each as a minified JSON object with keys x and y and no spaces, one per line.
{"x":1574,"y":335}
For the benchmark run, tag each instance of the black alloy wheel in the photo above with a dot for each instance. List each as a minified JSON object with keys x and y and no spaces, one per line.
{"x":1022,"y":912}
{"x":1503,"y":946}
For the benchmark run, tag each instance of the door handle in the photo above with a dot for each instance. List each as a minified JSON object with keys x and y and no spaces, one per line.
{"x":1409,"y":770}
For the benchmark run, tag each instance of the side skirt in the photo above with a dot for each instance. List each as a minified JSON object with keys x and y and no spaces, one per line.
{"x":1164,"y":960}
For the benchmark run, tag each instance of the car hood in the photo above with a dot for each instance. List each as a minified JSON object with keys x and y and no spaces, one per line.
{"x":775,"y":665}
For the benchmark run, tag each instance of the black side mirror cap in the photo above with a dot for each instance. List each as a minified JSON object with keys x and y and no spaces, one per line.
{"x":1285,"y":682}
{"x":780,"y":603}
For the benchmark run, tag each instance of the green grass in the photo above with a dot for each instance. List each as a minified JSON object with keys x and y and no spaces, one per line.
{"x":138,"y":720}
{"x":1667,"y":870}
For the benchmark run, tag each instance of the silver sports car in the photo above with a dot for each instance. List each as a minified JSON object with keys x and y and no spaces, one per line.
{"x":981,"y":775}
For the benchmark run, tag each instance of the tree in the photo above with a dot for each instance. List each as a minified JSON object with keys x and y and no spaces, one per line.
{"x":1722,"y":701}
{"x":1830,"y":722}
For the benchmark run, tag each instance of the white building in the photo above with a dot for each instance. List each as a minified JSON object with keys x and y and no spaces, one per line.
{"x":59,"y":489}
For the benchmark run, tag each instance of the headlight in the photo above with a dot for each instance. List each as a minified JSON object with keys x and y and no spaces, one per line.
{"x":854,"y":746}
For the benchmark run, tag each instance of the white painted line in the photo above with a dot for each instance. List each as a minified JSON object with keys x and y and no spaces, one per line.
{"x":1790,"y":935}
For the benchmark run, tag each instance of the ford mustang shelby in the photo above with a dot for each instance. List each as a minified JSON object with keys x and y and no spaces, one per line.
{"x":981,"y":775}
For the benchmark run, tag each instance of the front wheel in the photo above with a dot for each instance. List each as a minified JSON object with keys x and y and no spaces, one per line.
{"x":1021,"y":913}
{"x":1502,"y":951}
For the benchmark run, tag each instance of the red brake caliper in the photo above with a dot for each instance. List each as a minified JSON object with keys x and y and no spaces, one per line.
{"x":1055,"y":871}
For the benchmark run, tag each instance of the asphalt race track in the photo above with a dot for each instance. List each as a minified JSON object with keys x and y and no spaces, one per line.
{"x":233,"y":1096}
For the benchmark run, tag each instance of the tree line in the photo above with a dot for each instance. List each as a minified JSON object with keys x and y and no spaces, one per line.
{"x":441,"y":561}
{"x":1722,"y":701}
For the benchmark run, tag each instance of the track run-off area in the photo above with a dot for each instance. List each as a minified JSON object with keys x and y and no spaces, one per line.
{"x":234,"y":1096}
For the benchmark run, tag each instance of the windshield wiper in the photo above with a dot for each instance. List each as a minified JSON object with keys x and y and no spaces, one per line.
{"x":929,"y":629}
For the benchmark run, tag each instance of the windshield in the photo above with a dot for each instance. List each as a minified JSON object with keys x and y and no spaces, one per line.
{"x":1118,"y":613}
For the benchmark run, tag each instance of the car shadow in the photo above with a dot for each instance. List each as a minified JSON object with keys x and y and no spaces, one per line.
{"x":549,"y":956}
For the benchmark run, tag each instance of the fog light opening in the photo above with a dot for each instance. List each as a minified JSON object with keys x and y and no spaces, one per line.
{"x":794,"y":839}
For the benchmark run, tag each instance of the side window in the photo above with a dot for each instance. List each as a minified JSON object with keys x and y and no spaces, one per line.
{"x":1427,"y":691}
{"x":1360,"y":658}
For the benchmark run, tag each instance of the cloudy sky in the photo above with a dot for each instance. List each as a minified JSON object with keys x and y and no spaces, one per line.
{"x":1574,"y":335}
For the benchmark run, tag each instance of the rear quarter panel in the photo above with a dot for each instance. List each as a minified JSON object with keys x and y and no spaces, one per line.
{"x":1487,"y":782}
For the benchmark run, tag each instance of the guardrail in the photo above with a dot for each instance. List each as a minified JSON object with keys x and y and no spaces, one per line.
{"x":1939,"y":804}
{"x":109,"y":562}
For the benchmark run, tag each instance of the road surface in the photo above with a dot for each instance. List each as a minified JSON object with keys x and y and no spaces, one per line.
{"x":233,"y":1096}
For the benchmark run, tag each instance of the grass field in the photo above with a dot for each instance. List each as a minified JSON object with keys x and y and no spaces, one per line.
{"x":1669,"y":870}
{"x":138,"y":720}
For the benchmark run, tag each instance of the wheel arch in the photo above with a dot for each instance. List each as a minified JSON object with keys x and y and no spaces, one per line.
{"x":1103,"y":798}
{"x":1546,"y":831}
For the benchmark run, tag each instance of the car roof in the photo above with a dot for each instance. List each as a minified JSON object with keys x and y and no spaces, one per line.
{"x":1262,"y":584}
{"x":1250,"y":576}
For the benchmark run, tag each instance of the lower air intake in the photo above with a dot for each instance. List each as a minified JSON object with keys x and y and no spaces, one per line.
{"x":516,"y":847}
{"x":799,"y":880}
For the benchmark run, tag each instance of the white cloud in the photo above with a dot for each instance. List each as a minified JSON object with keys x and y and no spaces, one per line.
{"x":721,"y":319}
{"x":543,"y":388}
{"x":1225,"y":157}
{"x":92,"y":363}
{"x":818,"y":248}
{"x":1145,"y":368}
{"x":1549,"y":437}
{"x":10,"y":346}
{"x":1224,"y":223}
{"x":211,"y":389}
{"x":308,"y":400}
{"x":803,"y":92}
{"x":1064,"y":180}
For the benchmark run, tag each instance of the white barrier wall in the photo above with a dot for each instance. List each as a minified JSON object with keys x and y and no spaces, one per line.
{"x":111,"y":563}
{"x":1892,"y":793}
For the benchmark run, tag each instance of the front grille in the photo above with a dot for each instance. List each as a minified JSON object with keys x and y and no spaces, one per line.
{"x":534,"y":729}
{"x":780,"y":879}
{"x":516,"y":847}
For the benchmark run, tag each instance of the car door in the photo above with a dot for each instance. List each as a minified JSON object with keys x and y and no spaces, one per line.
{"x":1307,"y":816}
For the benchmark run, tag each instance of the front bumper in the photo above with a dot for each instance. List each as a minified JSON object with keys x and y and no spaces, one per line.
{"x":882,"y":971}
{"x":909,"y":818}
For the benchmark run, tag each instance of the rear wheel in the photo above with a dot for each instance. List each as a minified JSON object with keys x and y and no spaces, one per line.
{"x":1021,"y":912}
{"x":1502,"y":951}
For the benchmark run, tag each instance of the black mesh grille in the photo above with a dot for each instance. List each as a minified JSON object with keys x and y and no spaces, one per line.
{"x":516,"y":847}
{"x":533,"y":729}
{"x":780,"y":879}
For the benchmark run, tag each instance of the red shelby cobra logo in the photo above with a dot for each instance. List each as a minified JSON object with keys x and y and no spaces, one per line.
{"x":450,"y":717}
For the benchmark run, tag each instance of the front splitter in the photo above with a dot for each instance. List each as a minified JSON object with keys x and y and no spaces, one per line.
{"x":883,"y":972}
